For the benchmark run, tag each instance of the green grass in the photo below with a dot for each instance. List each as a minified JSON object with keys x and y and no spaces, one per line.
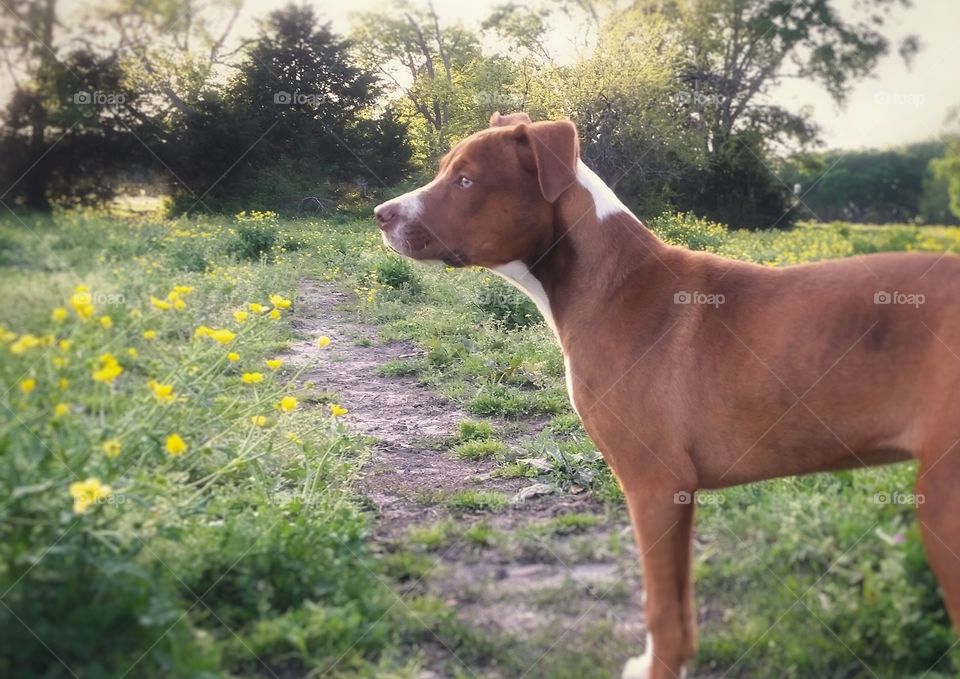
{"x":474,"y":450}
{"x":471,"y":500}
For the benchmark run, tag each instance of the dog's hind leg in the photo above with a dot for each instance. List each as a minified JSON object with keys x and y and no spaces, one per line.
{"x":938,"y":496}
{"x":663,"y":522}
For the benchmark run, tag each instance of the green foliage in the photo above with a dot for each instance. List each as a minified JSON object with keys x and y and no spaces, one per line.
{"x":473,"y":450}
{"x":469,"y":430}
{"x":504,"y":303}
{"x":477,"y":501}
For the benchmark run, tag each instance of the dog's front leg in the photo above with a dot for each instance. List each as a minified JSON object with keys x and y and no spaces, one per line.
{"x":662,"y":517}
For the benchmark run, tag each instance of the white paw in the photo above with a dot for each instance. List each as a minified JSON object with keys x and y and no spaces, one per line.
{"x":637,"y":668}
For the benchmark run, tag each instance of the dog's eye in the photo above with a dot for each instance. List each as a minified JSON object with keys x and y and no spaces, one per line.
{"x":463,"y":182}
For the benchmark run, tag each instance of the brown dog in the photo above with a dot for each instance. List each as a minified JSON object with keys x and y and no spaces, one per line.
{"x":692,"y":371}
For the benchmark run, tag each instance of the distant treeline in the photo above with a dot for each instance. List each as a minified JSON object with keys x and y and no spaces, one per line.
{"x":873,"y":186}
{"x":668,"y":97}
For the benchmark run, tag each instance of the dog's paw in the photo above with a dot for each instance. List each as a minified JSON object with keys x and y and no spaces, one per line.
{"x":637,"y":668}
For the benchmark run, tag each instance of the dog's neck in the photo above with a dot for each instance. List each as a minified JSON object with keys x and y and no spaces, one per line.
{"x":598,"y":245}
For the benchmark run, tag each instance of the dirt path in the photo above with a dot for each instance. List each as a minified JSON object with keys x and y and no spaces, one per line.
{"x":552,"y":578}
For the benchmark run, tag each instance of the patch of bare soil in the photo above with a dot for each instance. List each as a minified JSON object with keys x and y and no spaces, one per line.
{"x":545,"y":591}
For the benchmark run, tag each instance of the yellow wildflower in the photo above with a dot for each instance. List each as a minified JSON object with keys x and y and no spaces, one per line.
{"x":162,"y":392}
{"x":259,"y":420}
{"x":275,"y":314}
{"x":63,"y":383}
{"x":233,"y":357}
{"x":288,"y":404}
{"x":176,"y":446}
{"x":223,"y":336}
{"x":240,"y":316}
{"x":160,"y":304}
{"x":291,"y":436}
{"x":86,"y":493}
{"x":256,"y":308}
{"x":24,"y":342}
{"x":132,"y":352}
{"x":183,"y":289}
{"x":202,"y":331}
{"x":252,"y":378}
{"x":106,"y":322}
{"x":59,"y":314}
{"x":179,"y":304}
{"x":337,"y":410}
{"x":274,"y":363}
{"x":59,"y":362}
{"x":109,"y":369}
{"x":149,"y":335}
{"x":280,"y":302}
{"x":111,"y":447}
{"x":65,"y":344}
{"x":81,"y":302}
{"x":61,"y":409}
{"x":323,"y":341}
{"x":28,"y":385}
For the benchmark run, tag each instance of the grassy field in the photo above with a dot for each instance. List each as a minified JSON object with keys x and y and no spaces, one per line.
{"x":173,"y":504}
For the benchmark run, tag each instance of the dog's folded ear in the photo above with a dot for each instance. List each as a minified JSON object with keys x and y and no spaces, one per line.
{"x":551,"y":149}
{"x":505,"y":120}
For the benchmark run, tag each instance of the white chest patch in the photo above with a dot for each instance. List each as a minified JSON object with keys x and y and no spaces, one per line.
{"x":517,"y":274}
{"x":604,"y":199}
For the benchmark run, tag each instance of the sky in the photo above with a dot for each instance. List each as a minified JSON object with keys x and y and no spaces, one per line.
{"x":897,"y":105}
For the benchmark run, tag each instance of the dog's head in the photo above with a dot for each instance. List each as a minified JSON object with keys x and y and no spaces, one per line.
{"x":493,"y":199}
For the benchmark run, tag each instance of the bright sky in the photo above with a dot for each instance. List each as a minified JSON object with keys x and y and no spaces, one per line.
{"x":896,"y":106}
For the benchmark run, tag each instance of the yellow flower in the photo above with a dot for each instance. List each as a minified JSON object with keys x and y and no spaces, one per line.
{"x":240,"y":316}
{"x":132,"y":352}
{"x":337,"y":410}
{"x":59,"y":362}
{"x":28,"y":385}
{"x":63,"y":383}
{"x":179,"y":304}
{"x":106,"y":322}
{"x":288,"y":404}
{"x":176,"y":446}
{"x":252,"y":378}
{"x":149,"y":335}
{"x":323,"y":341}
{"x":223,"y":336}
{"x":86,"y":493}
{"x":280,"y":302}
{"x":59,"y":314}
{"x":23,"y":343}
{"x":109,"y":369}
{"x":111,"y":447}
{"x":65,"y":345}
{"x":160,"y":304}
{"x":61,"y":409}
{"x":259,"y":420}
{"x":183,"y":289}
{"x":256,"y":308}
{"x":81,"y":302}
{"x":275,"y":314}
{"x":291,"y":436}
{"x":202,"y":331}
{"x":233,"y":357}
{"x":162,"y":392}
{"x":274,"y":363}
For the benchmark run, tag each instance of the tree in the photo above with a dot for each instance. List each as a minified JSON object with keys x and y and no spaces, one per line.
{"x":296,"y":114}
{"x":439,"y":70}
